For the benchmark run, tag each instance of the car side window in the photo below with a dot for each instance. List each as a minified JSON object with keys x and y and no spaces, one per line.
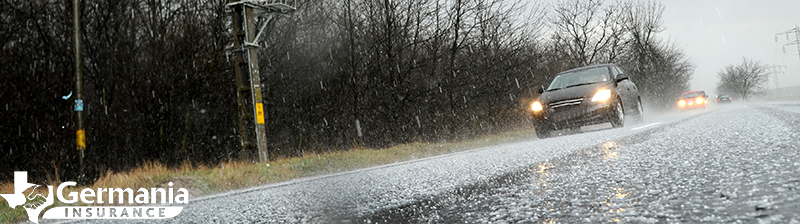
{"x":613,"y":73}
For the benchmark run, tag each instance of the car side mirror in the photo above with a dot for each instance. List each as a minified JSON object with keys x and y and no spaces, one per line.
{"x":540,"y":90}
{"x":621,"y":77}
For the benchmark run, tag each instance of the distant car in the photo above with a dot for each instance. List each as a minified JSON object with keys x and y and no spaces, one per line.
{"x":692,"y":100}
{"x":724,"y":99}
{"x":584,"y":96}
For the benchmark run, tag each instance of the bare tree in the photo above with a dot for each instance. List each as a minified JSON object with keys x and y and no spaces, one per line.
{"x":586,"y":32}
{"x":660,"y":69}
{"x":744,"y":80}
{"x":642,"y":23}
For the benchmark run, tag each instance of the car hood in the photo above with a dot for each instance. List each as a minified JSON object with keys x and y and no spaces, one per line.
{"x":691,"y":98}
{"x":573,"y":92}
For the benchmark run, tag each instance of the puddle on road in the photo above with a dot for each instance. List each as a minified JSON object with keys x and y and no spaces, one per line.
{"x":610,"y":150}
{"x":543,"y":192}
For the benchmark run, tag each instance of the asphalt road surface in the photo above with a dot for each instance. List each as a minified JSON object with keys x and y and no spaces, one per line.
{"x":735,"y":163}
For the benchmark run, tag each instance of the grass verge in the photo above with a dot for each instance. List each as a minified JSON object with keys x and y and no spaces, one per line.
{"x":234,"y":175}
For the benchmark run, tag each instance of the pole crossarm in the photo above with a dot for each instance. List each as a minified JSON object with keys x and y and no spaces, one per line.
{"x":266,"y":9}
{"x":793,"y":30}
{"x":796,"y":32}
{"x":268,"y":6}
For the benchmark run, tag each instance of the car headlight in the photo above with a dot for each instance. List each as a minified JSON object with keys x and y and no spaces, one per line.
{"x":537,"y":106}
{"x":602,"y":96}
{"x":681,"y":103}
{"x":699,"y":100}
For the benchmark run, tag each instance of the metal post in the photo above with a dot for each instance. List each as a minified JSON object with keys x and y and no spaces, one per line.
{"x":80,"y":134}
{"x":797,"y":39}
{"x":255,"y":86}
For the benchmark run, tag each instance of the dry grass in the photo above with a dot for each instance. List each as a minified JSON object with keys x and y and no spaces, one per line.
{"x":233,"y":175}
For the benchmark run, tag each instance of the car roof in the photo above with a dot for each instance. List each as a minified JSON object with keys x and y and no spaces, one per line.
{"x":690,"y":92}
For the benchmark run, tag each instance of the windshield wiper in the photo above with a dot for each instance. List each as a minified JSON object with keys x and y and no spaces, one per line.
{"x":582,"y":84}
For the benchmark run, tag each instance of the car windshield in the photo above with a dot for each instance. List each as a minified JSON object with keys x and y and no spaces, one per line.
{"x":579,"y":77}
{"x":723,"y":96}
{"x":690,"y":95}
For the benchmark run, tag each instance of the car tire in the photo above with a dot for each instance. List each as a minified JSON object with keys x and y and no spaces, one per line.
{"x":542,"y":130}
{"x":639,"y":116}
{"x":617,"y":115}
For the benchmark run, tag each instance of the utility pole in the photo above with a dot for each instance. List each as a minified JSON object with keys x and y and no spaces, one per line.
{"x":796,"y":41}
{"x":775,"y":70}
{"x":245,"y":50}
{"x":80,"y":134}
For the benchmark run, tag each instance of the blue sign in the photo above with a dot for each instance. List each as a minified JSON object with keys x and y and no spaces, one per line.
{"x":78,"y":105}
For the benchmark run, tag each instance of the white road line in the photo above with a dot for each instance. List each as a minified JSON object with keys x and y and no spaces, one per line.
{"x":649,"y":125}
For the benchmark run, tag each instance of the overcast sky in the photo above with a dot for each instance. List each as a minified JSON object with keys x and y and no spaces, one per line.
{"x":715,"y":33}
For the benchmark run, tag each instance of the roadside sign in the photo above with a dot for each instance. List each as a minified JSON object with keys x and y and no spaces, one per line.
{"x":78,"y":105}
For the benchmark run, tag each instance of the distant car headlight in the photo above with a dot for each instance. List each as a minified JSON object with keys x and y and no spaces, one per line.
{"x":537,"y":106}
{"x":602,"y":96}
{"x":699,"y":100}
{"x":681,"y":103}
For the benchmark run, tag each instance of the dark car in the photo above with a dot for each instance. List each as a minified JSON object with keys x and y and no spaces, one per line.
{"x":585,"y":96}
{"x":724,"y":99}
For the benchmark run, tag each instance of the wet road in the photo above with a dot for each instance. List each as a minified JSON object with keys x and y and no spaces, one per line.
{"x":723,"y":164}
{"x":737,"y":164}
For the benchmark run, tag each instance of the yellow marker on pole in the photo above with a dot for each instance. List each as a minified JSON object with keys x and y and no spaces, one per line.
{"x":260,"y":113}
{"x":81,"y":136}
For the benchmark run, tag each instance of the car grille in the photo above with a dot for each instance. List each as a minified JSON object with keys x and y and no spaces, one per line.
{"x":565,"y":103}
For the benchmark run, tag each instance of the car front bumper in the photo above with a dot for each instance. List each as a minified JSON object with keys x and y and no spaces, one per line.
{"x":586,"y":113}
{"x":692,"y":106}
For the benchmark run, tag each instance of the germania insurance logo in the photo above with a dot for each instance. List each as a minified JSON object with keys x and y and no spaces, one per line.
{"x":34,"y":203}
